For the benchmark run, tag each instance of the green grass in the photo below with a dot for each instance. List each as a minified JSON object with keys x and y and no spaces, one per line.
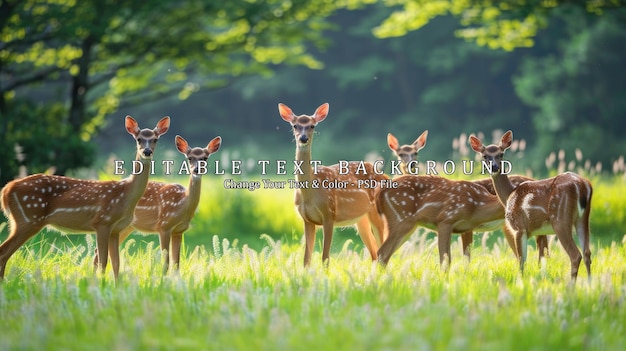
{"x":248,"y":289}
{"x":608,"y":211}
{"x":236,"y":298}
{"x":240,"y":214}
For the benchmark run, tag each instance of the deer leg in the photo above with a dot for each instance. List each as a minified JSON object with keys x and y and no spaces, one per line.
{"x":114,"y":253}
{"x":309,"y":241}
{"x":378,"y":226}
{"x":466,"y":239}
{"x":510,"y":239}
{"x":102,"y":245}
{"x":17,"y":238}
{"x":123,"y":235}
{"x":563,"y":230}
{"x":542,"y":246}
{"x":365,"y":232}
{"x":177,"y":239}
{"x":521,"y":244}
{"x":164,"y":240}
{"x":444,"y":231}
{"x":582,"y":229}
{"x":396,"y":228}
{"x":397,"y":232}
{"x":327,"y":227}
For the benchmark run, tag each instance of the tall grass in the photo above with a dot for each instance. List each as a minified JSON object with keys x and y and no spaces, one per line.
{"x":228,"y":297}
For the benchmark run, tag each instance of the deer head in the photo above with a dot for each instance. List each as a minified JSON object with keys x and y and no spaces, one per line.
{"x":492,"y":154}
{"x":146,"y":138}
{"x":303,"y":125}
{"x":197,"y":156}
{"x":407,"y":154}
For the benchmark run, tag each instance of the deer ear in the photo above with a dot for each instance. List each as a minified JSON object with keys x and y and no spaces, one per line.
{"x":214,"y":145}
{"x":182,"y":145}
{"x":421,"y":141}
{"x":162,"y":126}
{"x":506,"y":140}
{"x":476,"y":144}
{"x":392,"y":142}
{"x":131,"y":126}
{"x":321,"y":112}
{"x":285,"y":112}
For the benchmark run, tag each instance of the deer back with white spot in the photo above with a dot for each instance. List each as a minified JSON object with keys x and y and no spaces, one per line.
{"x":447,"y":206}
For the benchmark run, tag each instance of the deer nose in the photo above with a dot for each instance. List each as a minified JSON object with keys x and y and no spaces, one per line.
{"x":304,"y":139}
{"x":495,"y":167}
{"x":147,"y":152}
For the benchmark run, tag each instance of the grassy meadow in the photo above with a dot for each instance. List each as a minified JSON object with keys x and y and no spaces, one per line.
{"x":241,"y":286}
{"x":237,"y":298}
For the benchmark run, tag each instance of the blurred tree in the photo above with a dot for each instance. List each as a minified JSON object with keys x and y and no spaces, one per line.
{"x":92,"y":56}
{"x":569,"y":76}
{"x":577,"y":86}
{"x":427,"y":79}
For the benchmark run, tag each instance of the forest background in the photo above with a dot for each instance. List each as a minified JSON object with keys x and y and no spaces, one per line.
{"x":552,"y":71}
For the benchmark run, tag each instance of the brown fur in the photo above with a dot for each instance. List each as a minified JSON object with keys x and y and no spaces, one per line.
{"x":328,"y":207}
{"x":556,"y":204}
{"x":447,"y":206}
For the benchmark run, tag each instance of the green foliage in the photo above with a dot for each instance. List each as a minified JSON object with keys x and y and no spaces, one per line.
{"x":38,"y":138}
{"x":109,"y":54}
{"x":575,"y":101}
{"x":496,"y":24}
{"x":237,"y":298}
{"x":561,"y":93}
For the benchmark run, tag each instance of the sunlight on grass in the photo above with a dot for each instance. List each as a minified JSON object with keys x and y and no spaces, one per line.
{"x":231,"y":297}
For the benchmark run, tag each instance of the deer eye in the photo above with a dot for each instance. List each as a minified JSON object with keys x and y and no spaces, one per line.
{"x":295,"y":126}
{"x":312,"y":127}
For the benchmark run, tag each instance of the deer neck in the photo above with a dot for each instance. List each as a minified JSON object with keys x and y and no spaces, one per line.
{"x":303,"y":154}
{"x":404,"y":168}
{"x":136,"y":183}
{"x":193,"y":191}
{"x":503,"y":186}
